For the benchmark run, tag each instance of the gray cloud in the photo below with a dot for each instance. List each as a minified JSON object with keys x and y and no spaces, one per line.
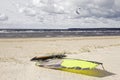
{"x":61,"y":13}
{"x":88,"y":8}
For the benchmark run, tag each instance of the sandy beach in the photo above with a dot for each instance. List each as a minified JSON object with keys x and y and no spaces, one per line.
{"x":15,"y":55}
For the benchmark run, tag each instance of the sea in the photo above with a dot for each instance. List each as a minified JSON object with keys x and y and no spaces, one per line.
{"x":70,"y":32}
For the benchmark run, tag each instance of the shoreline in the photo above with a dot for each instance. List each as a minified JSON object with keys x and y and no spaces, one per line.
{"x":48,"y":33}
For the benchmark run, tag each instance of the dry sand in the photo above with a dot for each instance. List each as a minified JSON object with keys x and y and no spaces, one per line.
{"x":15,"y":55}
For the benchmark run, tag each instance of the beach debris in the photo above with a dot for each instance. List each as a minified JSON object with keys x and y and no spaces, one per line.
{"x":60,"y":62}
{"x":43,"y":58}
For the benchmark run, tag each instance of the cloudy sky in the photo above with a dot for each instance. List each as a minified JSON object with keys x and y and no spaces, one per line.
{"x":59,"y":13}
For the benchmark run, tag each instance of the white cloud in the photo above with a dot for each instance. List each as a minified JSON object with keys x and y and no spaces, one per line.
{"x":27,"y":11}
{"x":3,"y":17}
{"x":64,"y":13}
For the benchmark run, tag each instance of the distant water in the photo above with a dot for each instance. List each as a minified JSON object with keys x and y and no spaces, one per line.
{"x":24,"y":33}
